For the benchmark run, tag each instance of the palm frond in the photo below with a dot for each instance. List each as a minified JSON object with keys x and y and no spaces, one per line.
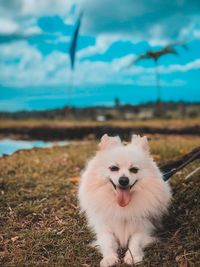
{"x":73,"y":45}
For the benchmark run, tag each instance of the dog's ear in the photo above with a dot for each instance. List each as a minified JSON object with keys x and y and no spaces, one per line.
{"x":108,"y":142}
{"x":140,"y":141}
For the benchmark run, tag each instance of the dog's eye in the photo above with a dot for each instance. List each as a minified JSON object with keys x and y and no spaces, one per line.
{"x":114,"y":168}
{"x":134,"y":169}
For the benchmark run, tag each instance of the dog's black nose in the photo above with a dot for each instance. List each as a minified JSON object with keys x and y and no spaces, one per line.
{"x":123,"y":181}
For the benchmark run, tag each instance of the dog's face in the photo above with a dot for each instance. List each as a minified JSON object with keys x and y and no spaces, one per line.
{"x":122,"y":167}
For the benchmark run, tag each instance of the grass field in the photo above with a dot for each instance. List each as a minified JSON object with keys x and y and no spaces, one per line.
{"x":177,"y":123}
{"x":40,"y":224}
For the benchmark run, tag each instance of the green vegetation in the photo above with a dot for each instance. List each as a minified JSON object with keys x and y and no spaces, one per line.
{"x":40,"y":223}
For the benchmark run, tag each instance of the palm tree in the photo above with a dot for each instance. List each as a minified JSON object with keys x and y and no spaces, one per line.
{"x":155,"y":56}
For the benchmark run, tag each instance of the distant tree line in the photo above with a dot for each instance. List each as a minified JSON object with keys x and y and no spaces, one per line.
{"x":118,"y":111}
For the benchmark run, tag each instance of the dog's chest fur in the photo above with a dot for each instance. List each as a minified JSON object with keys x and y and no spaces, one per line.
{"x":123,"y":230}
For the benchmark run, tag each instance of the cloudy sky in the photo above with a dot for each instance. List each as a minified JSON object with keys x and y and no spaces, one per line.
{"x":34,"y":43}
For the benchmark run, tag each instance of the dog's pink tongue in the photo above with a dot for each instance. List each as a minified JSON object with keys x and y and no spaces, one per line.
{"x":123,"y":197}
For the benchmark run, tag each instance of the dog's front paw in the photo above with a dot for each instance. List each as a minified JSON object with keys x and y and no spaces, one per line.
{"x":109,"y":261}
{"x":130,"y":259}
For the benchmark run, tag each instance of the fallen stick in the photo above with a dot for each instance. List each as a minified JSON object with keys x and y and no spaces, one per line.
{"x":192,"y":173}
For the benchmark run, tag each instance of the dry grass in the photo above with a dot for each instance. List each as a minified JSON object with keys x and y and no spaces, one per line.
{"x":160,"y":123}
{"x":40,"y":223}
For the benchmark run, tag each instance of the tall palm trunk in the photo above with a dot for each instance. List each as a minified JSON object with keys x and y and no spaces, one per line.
{"x":157,"y":82}
{"x":159,"y":106}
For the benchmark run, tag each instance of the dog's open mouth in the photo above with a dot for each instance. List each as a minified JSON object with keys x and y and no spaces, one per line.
{"x":123,"y":194}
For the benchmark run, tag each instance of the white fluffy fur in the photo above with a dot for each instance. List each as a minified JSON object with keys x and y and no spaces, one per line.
{"x":129,"y":226}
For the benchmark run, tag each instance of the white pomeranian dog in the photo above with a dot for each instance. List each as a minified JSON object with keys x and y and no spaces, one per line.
{"x":121,"y":192}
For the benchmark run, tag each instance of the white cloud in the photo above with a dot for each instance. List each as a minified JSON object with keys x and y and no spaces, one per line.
{"x":23,"y":72}
{"x":197,"y":34}
{"x":136,"y":69}
{"x":151,"y":20}
{"x":191,"y":30}
{"x":150,"y":80}
{"x":54,"y":69}
{"x":8,"y":26}
{"x":17,"y":15}
{"x":123,"y":63}
{"x":180,"y":68}
{"x":32,"y":30}
{"x":103,"y":42}
{"x":19,"y":28}
{"x":46,"y":7}
{"x":16,"y":8}
{"x":34,"y":69}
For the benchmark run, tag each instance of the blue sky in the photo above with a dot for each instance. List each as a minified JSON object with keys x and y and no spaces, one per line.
{"x":34,"y":42}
